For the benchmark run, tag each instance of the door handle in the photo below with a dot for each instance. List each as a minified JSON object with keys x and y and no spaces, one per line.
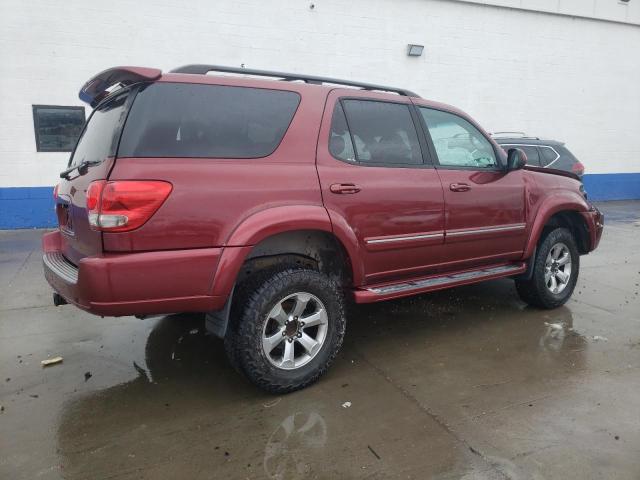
{"x":459,"y":187}
{"x":344,"y":188}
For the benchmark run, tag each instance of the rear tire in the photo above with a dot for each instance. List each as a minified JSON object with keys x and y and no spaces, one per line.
{"x":288,"y":328}
{"x":555,"y":271}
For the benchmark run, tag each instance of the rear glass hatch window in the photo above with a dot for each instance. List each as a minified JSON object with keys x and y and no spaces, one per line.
{"x":208,"y":121}
{"x":99,"y":139}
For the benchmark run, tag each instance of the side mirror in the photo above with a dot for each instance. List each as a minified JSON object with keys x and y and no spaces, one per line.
{"x":516,"y":159}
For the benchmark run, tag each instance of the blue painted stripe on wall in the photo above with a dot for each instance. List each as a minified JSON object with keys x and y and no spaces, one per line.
{"x":27,"y":207}
{"x":32,"y":207}
{"x":612,"y":186}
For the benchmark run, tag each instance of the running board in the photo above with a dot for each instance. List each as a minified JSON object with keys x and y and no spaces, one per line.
{"x":395,"y":290}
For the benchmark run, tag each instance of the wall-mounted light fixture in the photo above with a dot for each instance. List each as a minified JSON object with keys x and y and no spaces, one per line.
{"x":414,"y":50}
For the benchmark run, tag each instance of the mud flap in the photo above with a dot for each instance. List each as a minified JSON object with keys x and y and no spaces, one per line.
{"x":216,"y":322}
{"x":528,"y":273}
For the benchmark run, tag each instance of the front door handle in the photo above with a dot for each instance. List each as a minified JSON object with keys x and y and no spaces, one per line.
{"x":459,"y":187}
{"x":344,"y":188}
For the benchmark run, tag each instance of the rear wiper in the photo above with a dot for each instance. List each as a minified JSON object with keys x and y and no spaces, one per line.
{"x":81,"y":167}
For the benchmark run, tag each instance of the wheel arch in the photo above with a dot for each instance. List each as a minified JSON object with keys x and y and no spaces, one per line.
{"x":304,"y":231}
{"x":560,"y":212}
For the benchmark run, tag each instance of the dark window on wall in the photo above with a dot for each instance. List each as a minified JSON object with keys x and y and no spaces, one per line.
{"x":57,"y":128}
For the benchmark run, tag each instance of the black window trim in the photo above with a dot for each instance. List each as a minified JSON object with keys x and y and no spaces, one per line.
{"x":500,"y":168}
{"x":36,"y":124}
{"x":424,"y":152}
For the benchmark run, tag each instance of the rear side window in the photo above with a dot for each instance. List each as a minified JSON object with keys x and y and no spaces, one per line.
{"x":99,"y":139}
{"x":533,"y":158}
{"x":381,"y":132}
{"x":191,"y":120}
{"x":549,"y":155}
{"x":340,"y":144}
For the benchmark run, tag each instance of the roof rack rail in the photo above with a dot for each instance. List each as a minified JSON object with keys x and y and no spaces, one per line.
{"x":504,"y":134}
{"x":513,"y":135}
{"x":204,"y":69}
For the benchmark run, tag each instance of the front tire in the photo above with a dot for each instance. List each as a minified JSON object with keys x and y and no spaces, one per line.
{"x":555,"y":271}
{"x":288,"y":329}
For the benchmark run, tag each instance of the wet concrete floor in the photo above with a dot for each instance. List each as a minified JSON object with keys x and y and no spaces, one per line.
{"x":466,"y":383}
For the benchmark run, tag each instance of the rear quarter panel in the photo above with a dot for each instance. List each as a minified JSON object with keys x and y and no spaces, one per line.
{"x":212,"y":197}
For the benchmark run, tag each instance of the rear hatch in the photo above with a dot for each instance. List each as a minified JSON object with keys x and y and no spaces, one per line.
{"x":93,"y":157}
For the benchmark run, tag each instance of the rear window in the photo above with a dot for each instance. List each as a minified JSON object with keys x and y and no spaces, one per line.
{"x":190,"y":120}
{"x":99,"y":139}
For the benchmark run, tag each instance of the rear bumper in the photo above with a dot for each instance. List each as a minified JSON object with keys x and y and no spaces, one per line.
{"x":135,"y":283}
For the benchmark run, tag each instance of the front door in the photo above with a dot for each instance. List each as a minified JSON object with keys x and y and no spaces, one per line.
{"x":376,"y":178}
{"x":484,"y":204}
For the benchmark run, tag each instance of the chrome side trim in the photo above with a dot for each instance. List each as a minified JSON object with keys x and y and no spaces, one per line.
{"x":444,"y":280}
{"x":58,"y":264}
{"x":402,"y":239}
{"x":499,"y":228}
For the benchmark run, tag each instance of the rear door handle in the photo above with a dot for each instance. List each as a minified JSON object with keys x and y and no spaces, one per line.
{"x":459,"y":187}
{"x":344,"y":188}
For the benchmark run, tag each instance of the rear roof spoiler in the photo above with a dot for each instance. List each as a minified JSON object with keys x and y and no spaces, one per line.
{"x":95,"y":90}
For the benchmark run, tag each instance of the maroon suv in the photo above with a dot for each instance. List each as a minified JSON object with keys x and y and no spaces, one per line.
{"x":270,"y":203}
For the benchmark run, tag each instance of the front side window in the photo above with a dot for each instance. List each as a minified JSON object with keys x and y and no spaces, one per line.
{"x":457,"y":142}
{"x":57,"y":128}
{"x":381,"y":133}
{"x":207,"y":121}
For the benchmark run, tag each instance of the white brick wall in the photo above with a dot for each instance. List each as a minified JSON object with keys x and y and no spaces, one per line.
{"x":571,"y":79}
{"x":614,"y":10}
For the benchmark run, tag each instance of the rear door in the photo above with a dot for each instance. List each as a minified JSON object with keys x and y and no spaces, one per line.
{"x":97,"y":144}
{"x":376,"y":176}
{"x":484,"y":205}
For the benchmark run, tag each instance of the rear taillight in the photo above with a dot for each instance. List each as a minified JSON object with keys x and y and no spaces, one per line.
{"x":124,"y":205}
{"x":577,"y":168}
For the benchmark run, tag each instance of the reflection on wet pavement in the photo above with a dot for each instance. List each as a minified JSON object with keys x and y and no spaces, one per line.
{"x":467,"y":383}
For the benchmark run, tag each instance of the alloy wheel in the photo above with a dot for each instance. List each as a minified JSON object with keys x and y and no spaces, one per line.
{"x":295,"y":330}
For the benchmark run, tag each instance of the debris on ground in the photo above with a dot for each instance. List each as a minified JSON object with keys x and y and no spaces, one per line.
{"x":34,"y":395}
{"x":346,"y":404}
{"x":87,"y":376}
{"x":375,"y":454}
{"x":194,"y":331}
{"x":51,"y":361}
{"x":271,"y":404}
{"x":1,"y":408}
{"x":554,"y":326}
{"x":598,"y":338}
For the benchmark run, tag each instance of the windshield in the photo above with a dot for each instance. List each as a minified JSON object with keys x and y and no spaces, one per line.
{"x":99,"y":139}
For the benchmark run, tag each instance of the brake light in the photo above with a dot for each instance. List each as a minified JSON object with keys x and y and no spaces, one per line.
{"x":124,"y":205}
{"x":577,"y":168}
